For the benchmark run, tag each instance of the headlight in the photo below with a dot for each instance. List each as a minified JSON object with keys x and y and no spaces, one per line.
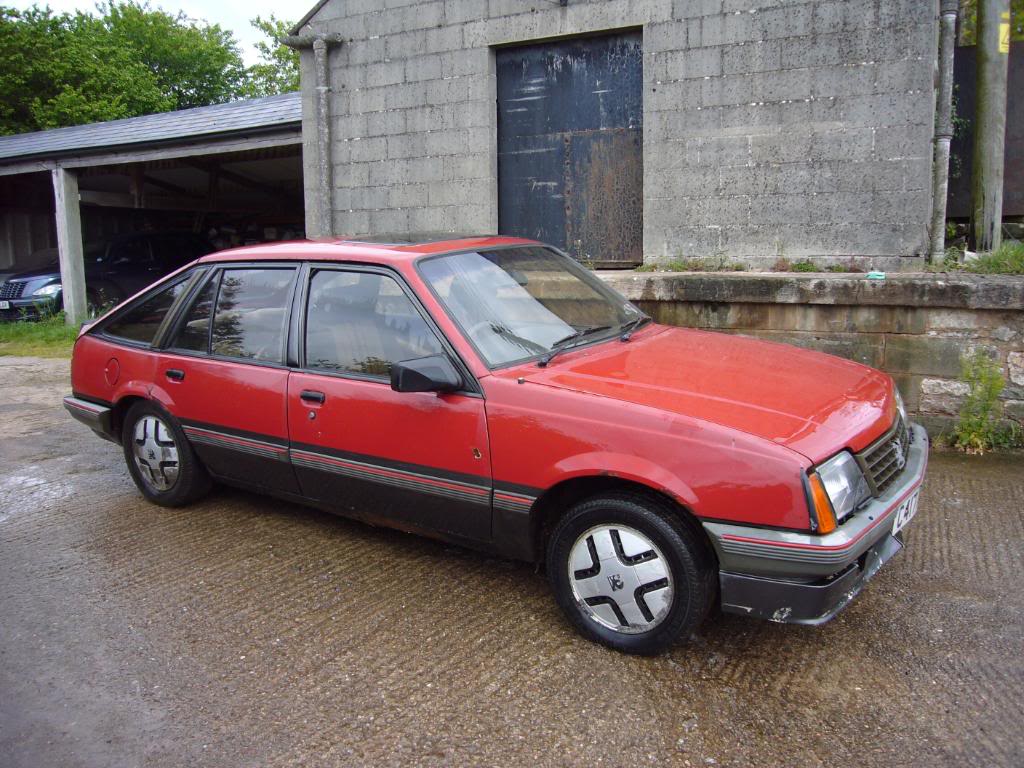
{"x":901,"y":409}
{"x":47,"y":290}
{"x":844,"y":484}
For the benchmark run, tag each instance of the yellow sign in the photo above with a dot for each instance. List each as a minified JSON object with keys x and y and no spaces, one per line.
{"x":1004,"y":33}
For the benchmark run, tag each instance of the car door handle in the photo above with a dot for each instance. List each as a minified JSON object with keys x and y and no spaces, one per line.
{"x":312,"y":396}
{"x":175,"y":374}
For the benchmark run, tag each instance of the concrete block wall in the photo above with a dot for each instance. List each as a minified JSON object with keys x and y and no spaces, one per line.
{"x":915,"y":327}
{"x":772,"y":128}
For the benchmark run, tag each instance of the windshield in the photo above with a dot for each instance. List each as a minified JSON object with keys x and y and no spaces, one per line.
{"x":518,"y":303}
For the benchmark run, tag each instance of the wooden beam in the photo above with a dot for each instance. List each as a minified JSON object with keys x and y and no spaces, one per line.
{"x":169,"y":187}
{"x":69,"y":245}
{"x":241,"y":180}
{"x":170,"y":203}
{"x":137,"y":185}
{"x":287,"y":137}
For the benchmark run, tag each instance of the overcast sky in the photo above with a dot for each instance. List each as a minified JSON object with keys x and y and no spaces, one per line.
{"x":230,"y":14}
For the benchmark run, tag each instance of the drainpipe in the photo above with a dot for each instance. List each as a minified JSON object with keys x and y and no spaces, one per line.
{"x":324,"y":211}
{"x":943,"y":128}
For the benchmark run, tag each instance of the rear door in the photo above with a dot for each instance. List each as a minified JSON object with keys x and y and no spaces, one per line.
{"x":418,"y":460}
{"x":223,"y":374}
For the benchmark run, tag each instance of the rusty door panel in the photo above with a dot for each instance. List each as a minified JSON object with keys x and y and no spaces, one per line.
{"x":570,"y":146}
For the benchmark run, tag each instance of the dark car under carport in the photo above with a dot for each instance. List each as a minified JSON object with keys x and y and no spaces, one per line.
{"x":114,"y":270}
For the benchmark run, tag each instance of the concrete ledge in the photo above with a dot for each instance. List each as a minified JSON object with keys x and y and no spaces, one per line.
{"x":912,"y":289}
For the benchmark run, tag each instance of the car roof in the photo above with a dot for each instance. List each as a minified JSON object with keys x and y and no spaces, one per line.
{"x":378,"y":249}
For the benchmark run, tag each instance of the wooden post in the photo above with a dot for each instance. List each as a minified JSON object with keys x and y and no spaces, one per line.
{"x":990,"y":124}
{"x":69,"y":245}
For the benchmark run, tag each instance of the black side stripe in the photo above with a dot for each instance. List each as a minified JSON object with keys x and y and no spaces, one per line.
{"x":474,"y":489}
{"x":233,"y":442}
{"x":396,"y":478}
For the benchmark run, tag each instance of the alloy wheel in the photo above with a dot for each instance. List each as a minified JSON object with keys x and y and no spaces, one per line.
{"x":155,"y":453}
{"x":620,"y":579}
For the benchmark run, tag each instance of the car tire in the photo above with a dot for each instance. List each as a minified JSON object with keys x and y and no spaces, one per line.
{"x":640,"y":554}
{"x":160,"y":458}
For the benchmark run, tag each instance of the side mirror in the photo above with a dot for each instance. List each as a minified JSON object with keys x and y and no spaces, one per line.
{"x":425,"y":374}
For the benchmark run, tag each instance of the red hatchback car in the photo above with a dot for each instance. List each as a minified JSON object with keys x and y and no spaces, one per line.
{"x":492,"y":392}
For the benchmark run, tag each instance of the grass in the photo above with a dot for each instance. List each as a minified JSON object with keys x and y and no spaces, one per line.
{"x":692,"y":265}
{"x":49,"y":337}
{"x":1008,"y":259}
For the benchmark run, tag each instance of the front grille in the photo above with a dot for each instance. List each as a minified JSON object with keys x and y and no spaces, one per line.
{"x":884,"y":459}
{"x":11,"y":290}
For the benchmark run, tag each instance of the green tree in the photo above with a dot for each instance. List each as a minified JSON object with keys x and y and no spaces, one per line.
{"x":127,"y":60}
{"x":967,"y":23}
{"x":278,"y":67}
{"x":64,"y":70}
{"x":193,"y":62}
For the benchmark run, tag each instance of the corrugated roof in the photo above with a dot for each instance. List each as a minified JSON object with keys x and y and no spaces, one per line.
{"x":263,"y":114}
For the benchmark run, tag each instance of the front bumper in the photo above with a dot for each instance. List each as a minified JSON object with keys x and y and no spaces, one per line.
{"x":29,"y":309}
{"x":807,"y":579}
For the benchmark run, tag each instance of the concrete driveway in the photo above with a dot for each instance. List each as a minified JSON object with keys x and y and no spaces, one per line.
{"x":244,"y":631}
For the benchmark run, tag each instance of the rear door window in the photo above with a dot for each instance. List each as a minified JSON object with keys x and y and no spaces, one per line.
{"x":240,"y":313}
{"x":251,"y":314}
{"x":194,"y":333}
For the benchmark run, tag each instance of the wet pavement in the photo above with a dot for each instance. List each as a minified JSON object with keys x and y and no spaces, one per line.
{"x":245,"y":631}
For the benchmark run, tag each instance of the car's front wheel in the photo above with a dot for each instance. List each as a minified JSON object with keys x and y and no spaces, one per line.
{"x":629,"y":573}
{"x":160,"y":459}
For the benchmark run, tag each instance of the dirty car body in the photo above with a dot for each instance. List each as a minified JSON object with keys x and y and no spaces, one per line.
{"x":491,"y":392}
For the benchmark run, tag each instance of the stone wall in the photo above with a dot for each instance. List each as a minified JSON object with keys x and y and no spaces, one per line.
{"x":914,"y":326}
{"x":772,"y":128}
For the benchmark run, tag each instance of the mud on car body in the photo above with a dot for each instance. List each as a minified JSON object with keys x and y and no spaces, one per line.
{"x":491,"y":392}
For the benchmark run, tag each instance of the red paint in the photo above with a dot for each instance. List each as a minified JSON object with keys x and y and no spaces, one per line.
{"x":726,"y":425}
{"x":827,"y":547}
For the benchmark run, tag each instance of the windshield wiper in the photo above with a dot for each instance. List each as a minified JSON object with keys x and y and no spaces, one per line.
{"x":525,"y":343}
{"x":567,"y":342}
{"x":626,"y":329}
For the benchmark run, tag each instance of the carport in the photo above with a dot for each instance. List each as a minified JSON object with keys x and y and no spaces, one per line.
{"x":230,"y":171}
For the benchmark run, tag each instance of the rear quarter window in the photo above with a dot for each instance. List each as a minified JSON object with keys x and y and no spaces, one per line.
{"x":141,"y":323}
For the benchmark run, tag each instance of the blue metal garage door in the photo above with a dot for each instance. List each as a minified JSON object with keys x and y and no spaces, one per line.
{"x":570,"y":142}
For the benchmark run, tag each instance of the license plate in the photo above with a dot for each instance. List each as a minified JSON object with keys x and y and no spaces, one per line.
{"x":5,"y":305}
{"x":905,"y":512}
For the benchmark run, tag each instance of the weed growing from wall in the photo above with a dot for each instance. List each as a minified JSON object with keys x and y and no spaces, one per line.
{"x":981,"y":427}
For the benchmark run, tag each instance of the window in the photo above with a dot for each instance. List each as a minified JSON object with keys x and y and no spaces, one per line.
{"x":131,"y":251}
{"x":517,"y":303}
{"x":250,"y":316}
{"x":363,"y":323}
{"x":140,"y":324}
{"x":194,"y":333}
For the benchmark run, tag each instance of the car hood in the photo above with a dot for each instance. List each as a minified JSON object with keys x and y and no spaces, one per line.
{"x":35,"y":274}
{"x":811,"y":402}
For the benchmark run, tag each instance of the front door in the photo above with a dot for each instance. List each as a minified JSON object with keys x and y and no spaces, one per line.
{"x":415,"y":460}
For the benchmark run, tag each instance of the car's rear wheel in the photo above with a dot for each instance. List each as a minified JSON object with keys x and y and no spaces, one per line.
{"x":160,"y":458}
{"x":629,"y":573}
